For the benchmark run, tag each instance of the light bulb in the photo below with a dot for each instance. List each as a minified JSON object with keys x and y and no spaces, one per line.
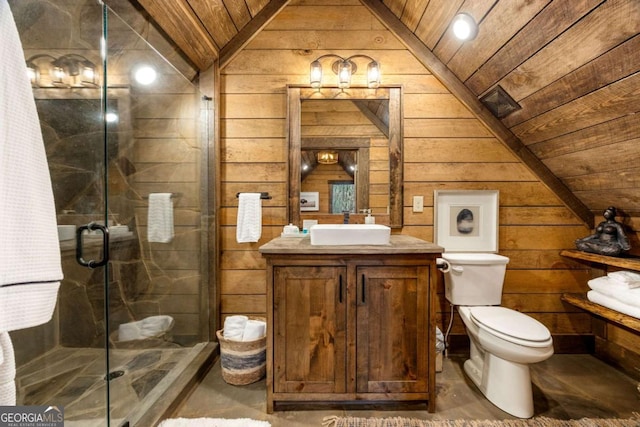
{"x":464,"y":27}
{"x":145,"y":75}
{"x":315,"y":75}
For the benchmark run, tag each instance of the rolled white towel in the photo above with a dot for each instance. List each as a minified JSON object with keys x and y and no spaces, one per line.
{"x":254,"y":329}
{"x":630,"y":278}
{"x":155,"y":326}
{"x":152,"y":326}
{"x":130,"y":331}
{"x":234,"y":327}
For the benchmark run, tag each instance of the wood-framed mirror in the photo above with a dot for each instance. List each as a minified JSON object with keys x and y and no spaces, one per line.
{"x":363,"y":129}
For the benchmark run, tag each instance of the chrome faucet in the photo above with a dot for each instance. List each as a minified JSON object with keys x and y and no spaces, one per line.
{"x":346,"y":217}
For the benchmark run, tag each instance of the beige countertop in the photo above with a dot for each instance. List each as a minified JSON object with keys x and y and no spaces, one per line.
{"x":400,"y":244}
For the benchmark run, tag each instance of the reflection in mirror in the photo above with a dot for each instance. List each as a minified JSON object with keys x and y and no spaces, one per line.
{"x":72,"y":130}
{"x":346,"y":148}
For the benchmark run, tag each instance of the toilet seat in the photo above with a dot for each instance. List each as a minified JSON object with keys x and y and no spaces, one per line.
{"x":511,"y":325}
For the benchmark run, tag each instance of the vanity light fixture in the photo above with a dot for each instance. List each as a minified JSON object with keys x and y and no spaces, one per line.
{"x":464,"y":27}
{"x":327,"y":157}
{"x":344,"y":68}
{"x":33,"y":70}
{"x":69,"y":70}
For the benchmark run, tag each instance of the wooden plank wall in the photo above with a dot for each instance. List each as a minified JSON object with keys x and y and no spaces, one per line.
{"x":445,"y":147}
{"x":165,"y":153}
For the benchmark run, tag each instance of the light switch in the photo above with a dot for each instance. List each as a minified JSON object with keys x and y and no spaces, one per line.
{"x":418,"y":203}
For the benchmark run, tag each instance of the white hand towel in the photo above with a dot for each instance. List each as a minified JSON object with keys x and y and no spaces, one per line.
{"x":254,"y":329}
{"x":234,"y":327}
{"x":249,"y":227}
{"x":160,"y":218}
{"x":29,"y":247}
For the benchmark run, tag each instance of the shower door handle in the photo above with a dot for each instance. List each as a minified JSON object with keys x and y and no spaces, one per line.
{"x":105,"y":245}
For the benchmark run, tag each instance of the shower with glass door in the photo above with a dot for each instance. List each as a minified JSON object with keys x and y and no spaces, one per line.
{"x":126,"y":136}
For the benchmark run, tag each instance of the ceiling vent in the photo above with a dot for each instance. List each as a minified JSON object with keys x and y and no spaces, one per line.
{"x":498,"y":101}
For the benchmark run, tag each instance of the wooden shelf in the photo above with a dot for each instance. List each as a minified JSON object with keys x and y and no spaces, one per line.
{"x":627,"y":263}
{"x":581,"y":301}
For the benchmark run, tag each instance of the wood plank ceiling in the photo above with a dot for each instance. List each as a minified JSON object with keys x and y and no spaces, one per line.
{"x":572,"y":66}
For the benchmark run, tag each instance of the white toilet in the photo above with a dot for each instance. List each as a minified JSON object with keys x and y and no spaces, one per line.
{"x":503,"y":341}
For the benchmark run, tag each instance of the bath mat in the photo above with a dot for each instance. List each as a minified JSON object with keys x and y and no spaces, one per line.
{"x":213,"y":422}
{"x":335,"y":421}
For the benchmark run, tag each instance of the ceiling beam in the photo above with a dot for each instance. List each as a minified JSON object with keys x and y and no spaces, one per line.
{"x":464,"y":95}
{"x":249,"y":31}
{"x":179,"y":21}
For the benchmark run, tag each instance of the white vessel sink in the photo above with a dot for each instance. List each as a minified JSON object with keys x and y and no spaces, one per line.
{"x":350,"y":234}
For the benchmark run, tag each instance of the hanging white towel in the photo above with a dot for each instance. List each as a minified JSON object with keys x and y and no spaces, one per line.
{"x":249,"y":227}
{"x":29,"y":247}
{"x":160,"y":220}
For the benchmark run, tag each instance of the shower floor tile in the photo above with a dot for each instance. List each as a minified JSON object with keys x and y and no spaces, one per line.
{"x":74,"y":379}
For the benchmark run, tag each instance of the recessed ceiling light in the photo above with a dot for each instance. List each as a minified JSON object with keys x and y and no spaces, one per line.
{"x":464,"y":27}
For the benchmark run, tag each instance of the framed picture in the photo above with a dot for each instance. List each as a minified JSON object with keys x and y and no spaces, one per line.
{"x":309,"y":201}
{"x":466,"y":220}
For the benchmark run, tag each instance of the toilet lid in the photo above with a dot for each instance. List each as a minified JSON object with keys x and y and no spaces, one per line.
{"x":510,"y":323}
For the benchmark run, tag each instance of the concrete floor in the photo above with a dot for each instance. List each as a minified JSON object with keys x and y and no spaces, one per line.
{"x":564,"y":387}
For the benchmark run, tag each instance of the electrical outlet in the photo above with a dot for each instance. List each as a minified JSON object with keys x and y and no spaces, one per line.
{"x":418,"y":203}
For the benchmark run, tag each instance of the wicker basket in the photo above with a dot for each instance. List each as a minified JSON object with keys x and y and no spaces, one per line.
{"x":242,"y":362}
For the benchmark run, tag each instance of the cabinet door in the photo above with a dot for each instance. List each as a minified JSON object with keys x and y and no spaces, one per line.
{"x":309,"y":317}
{"x":392,"y":329}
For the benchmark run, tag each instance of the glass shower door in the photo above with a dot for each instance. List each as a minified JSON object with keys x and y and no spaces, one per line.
{"x":156,"y":168}
{"x":63,"y":363}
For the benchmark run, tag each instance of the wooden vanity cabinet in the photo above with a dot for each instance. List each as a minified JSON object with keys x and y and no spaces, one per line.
{"x":392,"y":323}
{"x":351,"y":327}
{"x":309,"y":322}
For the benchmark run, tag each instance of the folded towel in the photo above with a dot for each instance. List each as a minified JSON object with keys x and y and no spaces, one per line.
{"x":249,"y":227}
{"x":612,"y":303}
{"x":629,"y":278}
{"x":616,"y":290}
{"x":234,"y":327}
{"x":254,"y":329}
{"x":160,"y":218}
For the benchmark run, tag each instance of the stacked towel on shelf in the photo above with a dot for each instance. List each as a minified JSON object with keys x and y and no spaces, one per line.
{"x":630,"y":279}
{"x":241,"y":328}
{"x":614,"y":293}
{"x":249,"y":222}
{"x":613,"y":304}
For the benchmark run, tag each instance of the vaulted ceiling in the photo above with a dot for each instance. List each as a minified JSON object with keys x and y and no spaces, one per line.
{"x":572,"y":66}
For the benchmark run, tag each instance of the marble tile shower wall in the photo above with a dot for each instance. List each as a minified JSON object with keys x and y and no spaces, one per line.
{"x":154,"y":147}
{"x":159,"y":153}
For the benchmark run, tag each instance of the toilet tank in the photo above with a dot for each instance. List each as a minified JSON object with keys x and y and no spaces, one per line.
{"x":474,"y":278}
